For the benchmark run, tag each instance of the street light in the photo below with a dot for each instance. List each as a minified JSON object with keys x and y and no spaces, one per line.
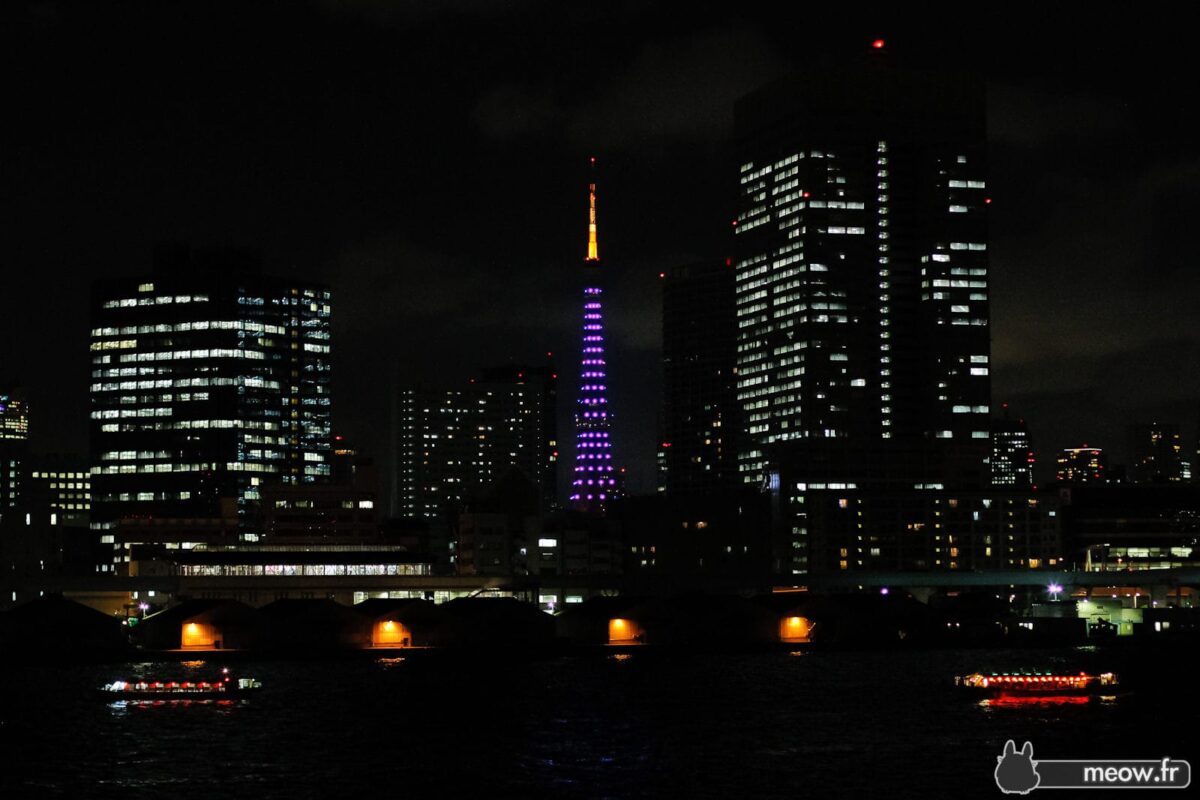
{"x":1054,"y":589}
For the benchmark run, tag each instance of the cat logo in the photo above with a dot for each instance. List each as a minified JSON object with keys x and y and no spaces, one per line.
{"x":1016,"y":772}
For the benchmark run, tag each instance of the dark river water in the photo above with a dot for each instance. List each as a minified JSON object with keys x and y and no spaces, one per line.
{"x":649,"y":724}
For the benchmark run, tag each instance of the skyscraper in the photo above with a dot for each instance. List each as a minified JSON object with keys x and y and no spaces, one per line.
{"x":700,"y":415}
{"x":1156,"y":454}
{"x":861,"y":261}
{"x":1012,"y":454}
{"x":14,"y":441}
{"x":454,"y":443}
{"x":1084,"y":464}
{"x":209,"y":378}
{"x":594,"y":478}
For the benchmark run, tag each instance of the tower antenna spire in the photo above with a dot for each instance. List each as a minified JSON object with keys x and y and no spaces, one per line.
{"x":593,"y":249}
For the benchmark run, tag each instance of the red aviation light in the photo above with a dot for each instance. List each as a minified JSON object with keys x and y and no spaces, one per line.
{"x":878,"y":44}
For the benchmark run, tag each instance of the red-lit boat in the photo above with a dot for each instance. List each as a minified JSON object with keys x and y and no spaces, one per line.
{"x":226,"y":687}
{"x":1036,"y":684}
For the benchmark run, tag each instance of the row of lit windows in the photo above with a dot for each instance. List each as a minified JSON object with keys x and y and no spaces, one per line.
{"x":181,"y":355}
{"x":249,"y":382}
{"x":193,"y":424}
{"x":181,"y":327}
{"x":129,"y":302}
{"x":287,"y":570}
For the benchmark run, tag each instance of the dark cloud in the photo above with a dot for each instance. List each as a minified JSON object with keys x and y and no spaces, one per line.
{"x":677,"y":89}
{"x":1036,"y":118}
{"x":680,"y":89}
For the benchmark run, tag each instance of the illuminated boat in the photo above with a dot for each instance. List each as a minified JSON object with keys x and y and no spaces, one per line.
{"x":1042,"y":684}
{"x":226,"y":687}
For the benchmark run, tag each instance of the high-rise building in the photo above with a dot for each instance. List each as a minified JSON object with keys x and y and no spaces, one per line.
{"x":1012,"y":454}
{"x":861,"y":261}
{"x":1077,"y":465}
{"x":453,"y":444}
{"x":595,"y":480}
{"x":700,"y":419}
{"x":1156,"y":454}
{"x":209,"y":378}
{"x":538,"y":449}
{"x":61,"y":486}
{"x":14,"y":442}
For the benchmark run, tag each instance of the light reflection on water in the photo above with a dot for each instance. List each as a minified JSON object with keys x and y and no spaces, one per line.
{"x":658,"y":724}
{"x":123,"y":706}
{"x":389,"y":663}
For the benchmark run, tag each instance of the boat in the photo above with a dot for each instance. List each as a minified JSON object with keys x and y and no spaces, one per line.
{"x":226,"y":687}
{"x":1036,"y":684}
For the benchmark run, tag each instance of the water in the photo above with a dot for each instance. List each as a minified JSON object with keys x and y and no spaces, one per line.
{"x":644,"y":725}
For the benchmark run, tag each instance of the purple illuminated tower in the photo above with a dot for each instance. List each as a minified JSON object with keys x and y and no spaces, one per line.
{"x":595,"y":480}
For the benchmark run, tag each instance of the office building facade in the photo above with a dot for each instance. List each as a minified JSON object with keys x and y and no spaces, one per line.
{"x":209,"y":379}
{"x":453,"y":444}
{"x":861,"y":261}
{"x":1011,"y":462}
{"x":14,"y":448}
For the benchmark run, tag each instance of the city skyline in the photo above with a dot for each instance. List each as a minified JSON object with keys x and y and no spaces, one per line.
{"x":1060,"y":327}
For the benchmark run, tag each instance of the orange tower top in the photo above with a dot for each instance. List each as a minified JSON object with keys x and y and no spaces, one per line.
{"x":593,"y":249}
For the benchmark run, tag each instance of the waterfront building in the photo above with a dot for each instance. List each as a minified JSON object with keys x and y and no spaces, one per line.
{"x":1132,"y":527}
{"x":209,"y":379}
{"x":931,"y":530}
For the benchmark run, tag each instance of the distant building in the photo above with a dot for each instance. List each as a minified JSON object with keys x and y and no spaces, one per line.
{"x":319,"y":513}
{"x":454,"y":443}
{"x":933,"y":530}
{"x":1156,"y":454}
{"x":14,"y":415}
{"x":891,"y":476}
{"x":715,"y":542}
{"x":498,"y":528}
{"x":1078,"y":465}
{"x":700,"y":415}
{"x":14,"y":448}
{"x":1132,"y":527}
{"x":541,"y":387}
{"x":62,"y":487}
{"x":209,"y":379}
{"x":1012,"y":454}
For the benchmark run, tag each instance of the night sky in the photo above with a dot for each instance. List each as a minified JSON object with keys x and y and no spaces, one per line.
{"x":429,"y":161}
